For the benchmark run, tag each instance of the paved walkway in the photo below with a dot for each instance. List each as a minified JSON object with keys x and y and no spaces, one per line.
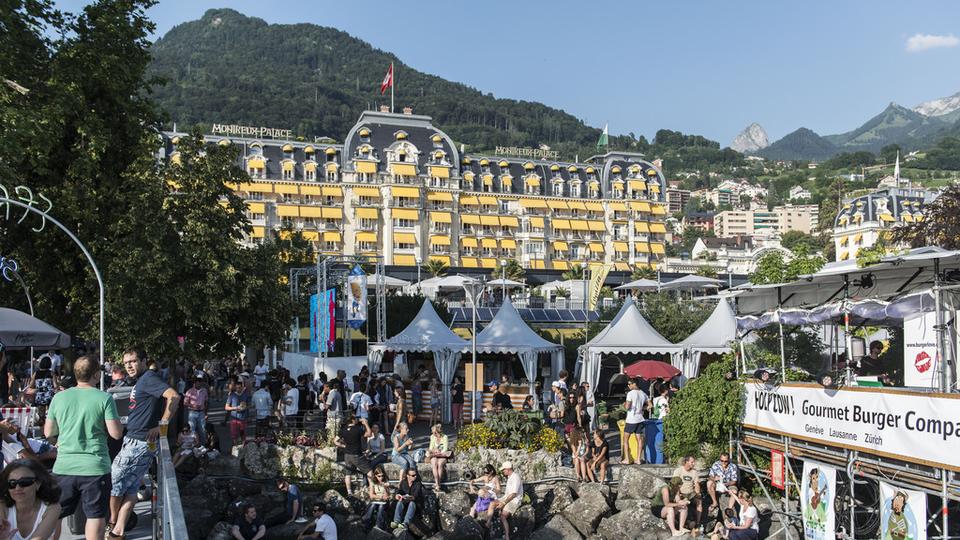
{"x":144,"y":530}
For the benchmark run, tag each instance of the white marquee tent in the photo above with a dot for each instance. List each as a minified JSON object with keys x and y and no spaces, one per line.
{"x":427,"y":333}
{"x":713,"y":337}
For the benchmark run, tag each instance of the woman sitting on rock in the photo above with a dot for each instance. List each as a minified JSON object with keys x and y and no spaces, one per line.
{"x":379,"y":491}
{"x":489,"y":478}
{"x":402,"y":444}
{"x":439,"y":453}
{"x":579,"y":450}
{"x":409,"y":497}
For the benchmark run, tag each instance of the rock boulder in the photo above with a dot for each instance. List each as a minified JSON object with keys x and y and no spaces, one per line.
{"x":636,"y":522}
{"x":558,"y":528}
{"x":636,"y":483}
{"x":468,"y":528}
{"x":586,"y":512}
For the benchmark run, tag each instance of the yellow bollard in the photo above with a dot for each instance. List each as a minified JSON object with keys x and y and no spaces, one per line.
{"x":634,"y":450}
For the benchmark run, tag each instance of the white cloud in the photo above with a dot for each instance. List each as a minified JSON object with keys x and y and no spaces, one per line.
{"x":922,"y":42}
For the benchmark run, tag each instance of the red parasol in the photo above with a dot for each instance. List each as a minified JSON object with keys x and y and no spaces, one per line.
{"x":651,"y":369}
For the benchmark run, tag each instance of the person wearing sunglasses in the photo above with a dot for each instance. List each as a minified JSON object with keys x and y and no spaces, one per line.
{"x":409,"y":497}
{"x":379,"y":492}
{"x":722,"y":478}
{"x":30,"y":505}
{"x":324,"y":528}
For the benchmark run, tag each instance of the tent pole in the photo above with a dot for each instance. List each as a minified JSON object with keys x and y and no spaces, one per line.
{"x":783,"y":353}
{"x":847,"y":339}
{"x":941,"y":330}
{"x":943,"y":498}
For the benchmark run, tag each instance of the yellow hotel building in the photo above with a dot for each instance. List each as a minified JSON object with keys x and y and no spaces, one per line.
{"x":399,"y":187}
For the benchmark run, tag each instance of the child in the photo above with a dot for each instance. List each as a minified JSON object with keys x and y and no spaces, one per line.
{"x":578,"y":448}
{"x":599,"y":457}
{"x":187,"y":443}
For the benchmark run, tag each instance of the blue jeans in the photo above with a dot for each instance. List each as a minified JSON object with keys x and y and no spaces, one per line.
{"x":411,"y":511}
{"x":405,"y":461}
{"x":198,"y":424}
{"x":376,"y":521}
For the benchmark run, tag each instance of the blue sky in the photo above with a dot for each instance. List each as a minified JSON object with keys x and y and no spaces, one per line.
{"x":703,"y":67}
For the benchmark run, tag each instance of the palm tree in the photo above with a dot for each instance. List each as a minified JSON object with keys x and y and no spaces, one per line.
{"x":436,"y":267}
{"x":707,"y":271}
{"x":575,"y":272}
{"x":512,"y":270}
{"x":643,"y":272}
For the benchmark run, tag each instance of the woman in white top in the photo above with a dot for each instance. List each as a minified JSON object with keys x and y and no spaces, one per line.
{"x":749,"y":527}
{"x":30,"y":507}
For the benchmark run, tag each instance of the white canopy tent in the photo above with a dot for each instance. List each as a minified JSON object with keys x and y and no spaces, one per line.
{"x":508,"y":334}
{"x":713,"y":337}
{"x":432,"y":286}
{"x":502,"y":282}
{"x":388,"y":282}
{"x":628,"y":333}
{"x":426,"y":333}
{"x":691,"y":282}
{"x":640,"y":285}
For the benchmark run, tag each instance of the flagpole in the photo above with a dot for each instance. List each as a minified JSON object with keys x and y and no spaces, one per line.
{"x":393,"y":83}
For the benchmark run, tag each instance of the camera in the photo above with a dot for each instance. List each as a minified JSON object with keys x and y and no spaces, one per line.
{"x":469,"y":476}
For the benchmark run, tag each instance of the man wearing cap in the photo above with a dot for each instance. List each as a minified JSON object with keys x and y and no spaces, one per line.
{"x":511,"y":500}
{"x":501,"y":400}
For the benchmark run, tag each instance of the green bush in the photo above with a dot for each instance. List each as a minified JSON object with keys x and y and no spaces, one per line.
{"x":509,"y":429}
{"x":704,"y":413}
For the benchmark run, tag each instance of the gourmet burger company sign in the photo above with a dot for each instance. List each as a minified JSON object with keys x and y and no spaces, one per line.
{"x":910,"y":426}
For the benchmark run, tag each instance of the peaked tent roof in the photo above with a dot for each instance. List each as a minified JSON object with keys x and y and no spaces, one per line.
{"x":630,"y":333}
{"x":388,"y":282}
{"x":427,"y":332}
{"x":623,"y":309}
{"x":691,"y":281}
{"x":507,"y":333}
{"x":716,"y":333}
{"x":640,"y":285}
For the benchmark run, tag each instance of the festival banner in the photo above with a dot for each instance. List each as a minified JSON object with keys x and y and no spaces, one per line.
{"x":356,"y":291}
{"x":920,"y":361}
{"x":903,"y":513}
{"x":314,"y":323}
{"x":817,"y":490}
{"x":778,"y":469}
{"x":911,"y":426}
{"x":328,"y":329}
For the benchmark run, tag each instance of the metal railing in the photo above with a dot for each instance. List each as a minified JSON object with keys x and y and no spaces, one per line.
{"x":168,"y":523}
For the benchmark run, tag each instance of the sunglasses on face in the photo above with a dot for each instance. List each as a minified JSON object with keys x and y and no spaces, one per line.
{"x":22,"y":482}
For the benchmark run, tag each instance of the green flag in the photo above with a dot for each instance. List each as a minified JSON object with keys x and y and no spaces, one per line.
{"x":604,"y":137}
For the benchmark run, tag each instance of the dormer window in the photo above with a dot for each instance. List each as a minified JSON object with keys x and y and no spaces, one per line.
{"x":437,"y":140}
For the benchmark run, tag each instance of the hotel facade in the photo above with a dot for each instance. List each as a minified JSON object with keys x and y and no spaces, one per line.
{"x":399,"y":187}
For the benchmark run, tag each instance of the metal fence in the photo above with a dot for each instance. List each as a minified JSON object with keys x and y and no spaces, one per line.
{"x":168,"y":523}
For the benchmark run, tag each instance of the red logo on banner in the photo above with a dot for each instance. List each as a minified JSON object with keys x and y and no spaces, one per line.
{"x":778,"y":470}
{"x":923,"y":362}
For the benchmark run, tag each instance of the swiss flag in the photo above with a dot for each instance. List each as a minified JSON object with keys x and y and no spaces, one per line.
{"x":387,"y":80}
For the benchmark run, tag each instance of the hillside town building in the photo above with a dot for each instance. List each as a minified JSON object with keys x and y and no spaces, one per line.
{"x":863,"y":220}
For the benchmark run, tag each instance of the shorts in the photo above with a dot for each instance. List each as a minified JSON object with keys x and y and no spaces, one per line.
{"x":237,"y":428}
{"x":656,"y":510}
{"x":129,"y":466}
{"x":357,"y":462}
{"x":93,"y":492}
{"x":513,"y":505}
{"x":634,"y":428}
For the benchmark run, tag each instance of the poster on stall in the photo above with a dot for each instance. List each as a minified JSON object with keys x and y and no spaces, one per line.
{"x":356,"y":291}
{"x":920,"y":351}
{"x":903,"y":513}
{"x":817,"y":490}
{"x":323,"y":321}
{"x":314,"y":323}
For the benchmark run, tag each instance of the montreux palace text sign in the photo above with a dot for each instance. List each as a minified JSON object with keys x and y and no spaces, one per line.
{"x":526,"y":152}
{"x":251,"y":131}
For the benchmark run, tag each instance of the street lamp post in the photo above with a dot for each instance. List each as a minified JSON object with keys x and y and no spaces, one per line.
{"x":503,"y":280}
{"x":419,"y":261}
{"x":473,"y":288}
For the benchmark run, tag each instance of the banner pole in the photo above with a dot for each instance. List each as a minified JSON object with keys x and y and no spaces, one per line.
{"x":943,"y":504}
{"x":786,"y":485}
{"x":851,"y":459}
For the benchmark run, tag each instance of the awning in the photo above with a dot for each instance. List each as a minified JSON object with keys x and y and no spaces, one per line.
{"x":487,"y":179}
{"x":641,"y":226}
{"x":641,"y":206}
{"x":367,"y":191}
{"x":256,"y":187}
{"x":445,"y":259}
{"x":594,"y":207}
{"x":636,"y":185}
{"x":366,"y":237}
{"x":560,"y":265}
{"x":468,"y":242}
{"x":286,"y":189}
{"x":404,"y":238}
{"x":533,"y":203}
{"x":537,"y":222}
{"x":579,"y":225}
{"x":365,"y":167}
{"x":312,"y":236}
{"x":488,"y":242}
{"x":641,"y":247}
{"x":469,"y":262}
{"x":858,"y":238}
{"x":331,"y":191}
{"x":469,"y":200}
{"x":332,"y":237}
{"x":844,"y":240}
{"x":405,"y":260}
{"x":470,"y":219}
{"x":907,"y":217}
{"x":488,"y":263}
{"x":367,"y":213}
{"x":311,"y":211}
{"x":440,"y":172}
{"x":288,"y":210}
{"x":557,"y":205}
{"x":658,"y":228}
{"x":330,"y":213}
{"x":654,"y":188}
{"x":576,"y":205}
{"x":510,"y":221}
{"x":439,"y":240}
{"x":442,"y":196}
{"x":596,"y":247}
{"x":537,"y":264}
{"x":440,"y":217}
{"x":257,"y":232}
{"x":406,"y":192}
{"x":596,"y":226}
{"x":621,"y":267}
{"x":532,"y":181}
{"x":491,"y":221}
{"x":621,"y":246}
{"x":887,"y":217}
{"x":657,"y":248}
{"x":561,"y":246}
{"x":658,"y":210}
{"x":488,"y":201}
{"x":310,"y":190}
{"x":508,"y":243}
{"x":561,"y":224}
{"x":406,"y":213}
{"x":618,"y":207}
{"x":256,"y":207}
{"x":403,"y":169}
{"x":507,"y":180}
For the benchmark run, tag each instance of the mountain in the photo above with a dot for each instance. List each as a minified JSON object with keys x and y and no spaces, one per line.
{"x":230,"y":68}
{"x":895,"y":125}
{"x":939,"y":107}
{"x":802,"y":144}
{"x":751,"y":139}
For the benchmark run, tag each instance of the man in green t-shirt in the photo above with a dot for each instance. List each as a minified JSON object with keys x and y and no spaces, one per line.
{"x":79,"y":420}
